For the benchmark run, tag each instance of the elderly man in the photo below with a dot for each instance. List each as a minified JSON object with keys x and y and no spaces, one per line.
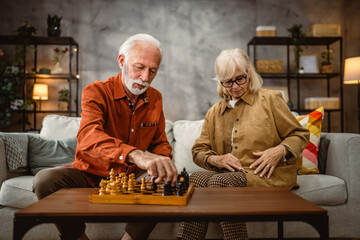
{"x":122,"y":127}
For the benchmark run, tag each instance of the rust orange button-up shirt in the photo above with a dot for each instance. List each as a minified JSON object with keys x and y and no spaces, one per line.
{"x":109,"y":129}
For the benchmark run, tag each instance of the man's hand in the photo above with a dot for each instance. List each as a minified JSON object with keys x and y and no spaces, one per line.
{"x":156,"y":165}
{"x":228,"y":161}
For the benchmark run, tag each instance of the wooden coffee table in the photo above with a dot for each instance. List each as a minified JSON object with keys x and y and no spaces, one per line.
{"x":206,"y":204}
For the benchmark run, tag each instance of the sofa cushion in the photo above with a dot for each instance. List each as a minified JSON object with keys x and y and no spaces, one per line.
{"x":17,"y":192}
{"x":50,"y":153}
{"x":322,"y":189}
{"x":169,"y":131}
{"x":56,"y":127}
{"x":185,"y":133}
{"x":16,"y":149}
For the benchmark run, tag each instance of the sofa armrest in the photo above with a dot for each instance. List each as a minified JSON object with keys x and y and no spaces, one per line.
{"x":343,"y":161}
{"x":3,"y":165}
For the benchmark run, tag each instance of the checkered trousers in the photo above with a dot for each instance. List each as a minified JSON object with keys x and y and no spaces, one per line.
{"x":231,"y":230}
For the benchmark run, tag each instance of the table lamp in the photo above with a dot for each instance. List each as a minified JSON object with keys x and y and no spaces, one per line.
{"x":40,"y":92}
{"x":352,"y":76}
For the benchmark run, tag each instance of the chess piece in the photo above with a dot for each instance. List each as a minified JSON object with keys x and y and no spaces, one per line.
{"x":112,"y":188}
{"x":154,"y":185}
{"x":143,"y":186}
{"x":186,"y":177}
{"x":180,"y":185}
{"x":168,"y":189}
{"x":125,"y":183}
{"x":102,"y":185}
{"x":131,"y":184}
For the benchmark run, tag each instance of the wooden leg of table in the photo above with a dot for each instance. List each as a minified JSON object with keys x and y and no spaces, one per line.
{"x":21,"y":226}
{"x":281,"y":229}
{"x":321,"y":224}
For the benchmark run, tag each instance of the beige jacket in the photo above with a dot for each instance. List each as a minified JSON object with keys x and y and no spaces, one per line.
{"x":262,"y":120}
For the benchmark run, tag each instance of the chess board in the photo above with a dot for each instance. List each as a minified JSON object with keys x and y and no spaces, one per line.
{"x":147,"y":196}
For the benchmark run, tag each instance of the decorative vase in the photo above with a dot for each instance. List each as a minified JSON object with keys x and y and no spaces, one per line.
{"x":57,"y":68}
{"x":53,"y":31}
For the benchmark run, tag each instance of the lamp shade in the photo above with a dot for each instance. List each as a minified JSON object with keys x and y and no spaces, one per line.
{"x":352,"y":70}
{"x":40,"y":91}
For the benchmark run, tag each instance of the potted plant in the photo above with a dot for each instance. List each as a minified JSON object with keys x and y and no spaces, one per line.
{"x":297,"y":37}
{"x":23,"y":37}
{"x":326,"y":66}
{"x":10,"y":83}
{"x":53,"y":23}
{"x":63,"y":100}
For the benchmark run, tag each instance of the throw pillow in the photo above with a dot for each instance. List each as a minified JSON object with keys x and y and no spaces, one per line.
{"x":308,"y":162}
{"x":50,"y":153}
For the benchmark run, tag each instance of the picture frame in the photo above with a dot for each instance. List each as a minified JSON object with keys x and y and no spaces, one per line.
{"x":281,"y":89}
{"x":309,"y":64}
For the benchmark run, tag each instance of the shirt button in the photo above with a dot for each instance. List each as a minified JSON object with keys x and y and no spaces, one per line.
{"x":132,"y":130}
{"x":121,"y":157}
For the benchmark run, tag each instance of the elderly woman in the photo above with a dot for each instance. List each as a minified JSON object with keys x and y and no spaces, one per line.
{"x":250,"y":138}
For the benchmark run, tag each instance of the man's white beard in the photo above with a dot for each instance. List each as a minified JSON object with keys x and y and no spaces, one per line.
{"x":129,"y":83}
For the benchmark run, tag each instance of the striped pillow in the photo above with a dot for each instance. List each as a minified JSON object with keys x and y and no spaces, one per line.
{"x":308,"y":162}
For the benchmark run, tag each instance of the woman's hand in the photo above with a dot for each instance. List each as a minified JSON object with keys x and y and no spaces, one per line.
{"x":228,"y":161}
{"x":268,"y":160}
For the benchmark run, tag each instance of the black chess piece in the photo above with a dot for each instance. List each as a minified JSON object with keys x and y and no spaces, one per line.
{"x":168,"y":189}
{"x":180,"y":188}
{"x":154,"y":185}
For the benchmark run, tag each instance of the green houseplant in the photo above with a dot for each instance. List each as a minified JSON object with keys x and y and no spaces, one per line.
{"x":63,"y":100}
{"x":297,"y":37}
{"x":53,"y":23}
{"x":326,"y":66}
{"x":10,"y":82}
{"x":12,"y":72}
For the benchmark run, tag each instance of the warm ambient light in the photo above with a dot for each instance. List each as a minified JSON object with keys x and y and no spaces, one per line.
{"x":40,"y":91}
{"x":352,"y":70}
{"x":352,"y":76}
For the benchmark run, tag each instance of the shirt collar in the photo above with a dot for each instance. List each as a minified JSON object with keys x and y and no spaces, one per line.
{"x":248,"y":98}
{"x":119,"y":91}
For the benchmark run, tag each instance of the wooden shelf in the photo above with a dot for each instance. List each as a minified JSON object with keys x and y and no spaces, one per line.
{"x":6,"y":39}
{"x":295,"y":94}
{"x":287,"y":40}
{"x":50,"y":76}
{"x":35,"y":42}
{"x":302,"y":76}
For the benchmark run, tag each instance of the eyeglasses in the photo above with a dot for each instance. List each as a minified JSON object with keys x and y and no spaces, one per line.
{"x":239,"y":80}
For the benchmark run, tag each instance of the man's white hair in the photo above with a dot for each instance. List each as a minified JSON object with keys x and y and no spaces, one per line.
{"x":128,"y":45}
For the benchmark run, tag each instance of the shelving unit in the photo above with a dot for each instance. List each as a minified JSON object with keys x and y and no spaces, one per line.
{"x":72,"y":76}
{"x":292,"y":77}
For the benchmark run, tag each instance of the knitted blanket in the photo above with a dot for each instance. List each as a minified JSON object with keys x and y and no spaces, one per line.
{"x":16,"y":147}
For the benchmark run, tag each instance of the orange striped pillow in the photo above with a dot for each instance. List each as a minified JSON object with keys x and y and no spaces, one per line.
{"x":308,"y":162}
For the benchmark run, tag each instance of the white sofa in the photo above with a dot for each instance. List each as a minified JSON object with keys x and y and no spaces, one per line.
{"x":338,"y":190}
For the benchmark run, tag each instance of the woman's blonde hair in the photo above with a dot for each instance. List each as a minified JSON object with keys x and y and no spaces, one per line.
{"x":232,"y":60}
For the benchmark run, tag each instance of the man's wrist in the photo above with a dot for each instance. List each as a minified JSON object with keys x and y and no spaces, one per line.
{"x":130,"y":160}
